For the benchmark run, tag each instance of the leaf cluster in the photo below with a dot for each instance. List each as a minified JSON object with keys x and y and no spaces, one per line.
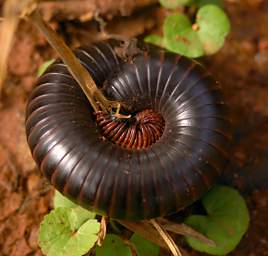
{"x":205,"y":36}
{"x":70,"y":230}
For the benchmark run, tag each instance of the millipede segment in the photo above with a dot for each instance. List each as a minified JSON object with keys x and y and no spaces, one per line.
{"x":138,"y":132}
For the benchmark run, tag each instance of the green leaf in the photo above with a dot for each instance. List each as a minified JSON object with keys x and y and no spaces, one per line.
{"x":226,"y":223}
{"x":154,"y":39}
{"x":80,"y":214}
{"x":214,"y":26}
{"x":206,"y":36}
{"x":201,"y":3}
{"x":62,"y":201}
{"x":44,"y":67}
{"x":61,"y":234}
{"x":172,"y":4}
{"x":179,"y":36}
{"x":144,"y":247}
{"x":113,"y":245}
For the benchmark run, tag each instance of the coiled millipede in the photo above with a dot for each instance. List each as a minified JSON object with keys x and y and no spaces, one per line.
{"x":167,"y":155}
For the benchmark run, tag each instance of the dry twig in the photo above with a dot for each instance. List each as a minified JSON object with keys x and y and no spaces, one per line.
{"x":12,"y":10}
{"x":145,"y":229}
{"x":167,"y":238}
{"x":185,"y":230}
{"x":102,"y":232}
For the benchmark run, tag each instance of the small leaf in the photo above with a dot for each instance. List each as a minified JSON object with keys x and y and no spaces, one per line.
{"x":78,"y":215}
{"x":154,"y":39}
{"x":214,"y":26}
{"x":179,"y":36}
{"x":144,"y":247}
{"x":226,"y":223}
{"x":62,"y":201}
{"x":59,"y":235}
{"x":44,"y":67}
{"x":113,"y":245}
{"x":172,"y":4}
{"x":201,"y":3}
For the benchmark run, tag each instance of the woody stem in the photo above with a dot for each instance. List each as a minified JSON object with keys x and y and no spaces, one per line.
{"x":96,"y":98}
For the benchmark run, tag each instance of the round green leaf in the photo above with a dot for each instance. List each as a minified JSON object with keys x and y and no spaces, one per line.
{"x":226,"y":222}
{"x":144,"y":247}
{"x":180,"y":38}
{"x":61,"y":234}
{"x":172,"y":4}
{"x":44,"y":67}
{"x":154,"y":39}
{"x":213,"y":27}
{"x":113,"y":246}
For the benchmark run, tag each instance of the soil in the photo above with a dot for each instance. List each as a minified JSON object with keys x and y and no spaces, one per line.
{"x":241,"y":66}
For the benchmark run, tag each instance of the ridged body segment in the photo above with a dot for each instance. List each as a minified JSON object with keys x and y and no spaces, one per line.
{"x":137,"y":132}
{"x":129,"y":183}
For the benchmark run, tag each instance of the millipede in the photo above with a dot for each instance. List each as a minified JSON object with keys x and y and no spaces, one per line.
{"x":163,"y":158}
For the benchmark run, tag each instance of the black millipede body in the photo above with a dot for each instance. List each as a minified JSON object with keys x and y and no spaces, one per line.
{"x":167,"y":155}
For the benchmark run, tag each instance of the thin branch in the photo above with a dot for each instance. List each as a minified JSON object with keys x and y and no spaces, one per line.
{"x":151,"y":233}
{"x":11,"y":11}
{"x":8,"y":27}
{"x":96,"y":98}
{"x":167,"y":238}
{"x":185,"y":230}
{"x":79,"y":73}
{"x":145,"y":230}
